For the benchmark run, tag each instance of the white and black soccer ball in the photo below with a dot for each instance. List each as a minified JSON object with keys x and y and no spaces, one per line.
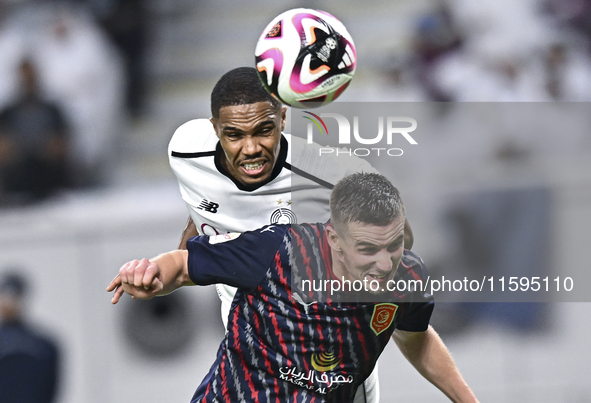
{"x":305,"y":58}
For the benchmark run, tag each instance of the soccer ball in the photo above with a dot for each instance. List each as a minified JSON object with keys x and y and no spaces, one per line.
{"x":305,"y":58}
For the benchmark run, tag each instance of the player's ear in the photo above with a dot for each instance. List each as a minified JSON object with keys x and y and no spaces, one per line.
{"x":333,"y":238}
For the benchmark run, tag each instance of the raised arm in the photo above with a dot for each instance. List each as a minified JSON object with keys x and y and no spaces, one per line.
{"x":189,"y":232}
{"x":427,"y":353}
{"x":145,"y":278}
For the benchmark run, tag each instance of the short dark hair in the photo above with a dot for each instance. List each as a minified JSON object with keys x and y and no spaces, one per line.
{"x":13,"y":283}
{"x":368,"y":198}
{"x":240,"y":86}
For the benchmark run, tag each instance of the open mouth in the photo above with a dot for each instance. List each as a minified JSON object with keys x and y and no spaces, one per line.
{"x":253,"y":168}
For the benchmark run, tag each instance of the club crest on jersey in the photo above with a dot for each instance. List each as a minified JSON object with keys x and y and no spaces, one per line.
{"x":383,"y":316}
{"x":283,"y":216}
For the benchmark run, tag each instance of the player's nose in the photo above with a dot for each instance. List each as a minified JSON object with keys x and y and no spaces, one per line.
{"x":251,"y":146}
{"x":384,"y":261}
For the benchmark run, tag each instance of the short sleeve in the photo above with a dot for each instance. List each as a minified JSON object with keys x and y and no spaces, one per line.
{"x":240,"y":260}
{"x":418,"y":309}
{"x":416,"y":317}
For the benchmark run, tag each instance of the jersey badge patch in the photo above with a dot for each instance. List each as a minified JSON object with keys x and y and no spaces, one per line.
{"x":383,"y":316}
{"x":283,"y":216}
{"x":223,"y":238}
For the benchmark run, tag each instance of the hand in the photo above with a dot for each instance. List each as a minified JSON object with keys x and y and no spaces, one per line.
{"x":139,"y":278}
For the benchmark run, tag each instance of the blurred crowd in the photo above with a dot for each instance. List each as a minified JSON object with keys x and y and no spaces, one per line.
{"x":81,"y":64}
{"x":487,"y":182}
{"x":522,"y":51}
{"x":71,"y":74}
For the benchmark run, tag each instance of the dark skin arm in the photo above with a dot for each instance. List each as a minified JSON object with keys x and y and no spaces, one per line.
{"x":191,"y":230}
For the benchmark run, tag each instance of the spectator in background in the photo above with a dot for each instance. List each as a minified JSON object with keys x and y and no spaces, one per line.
{"x":566,"y":73}
{"x":28,"y":360}
{"x":33,"y":144}
{"x":12,"y":51}
{"x":76,"y":66}
{"x":125,"y":22}
{"x":435,"y":37}
{"x":80,"y":68}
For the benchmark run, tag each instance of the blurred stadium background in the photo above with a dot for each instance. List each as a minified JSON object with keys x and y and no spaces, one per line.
{"x":127,"y":73}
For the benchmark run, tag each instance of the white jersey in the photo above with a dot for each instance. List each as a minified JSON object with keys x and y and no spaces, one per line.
{"x":299,"y":191}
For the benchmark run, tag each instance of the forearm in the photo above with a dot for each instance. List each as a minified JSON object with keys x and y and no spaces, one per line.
{"x":427,"y":353}
{"x":146,"y":279}
{"x":174,"y":272}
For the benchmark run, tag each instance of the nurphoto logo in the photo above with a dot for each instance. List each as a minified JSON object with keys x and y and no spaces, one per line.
{"x":395,"y":126}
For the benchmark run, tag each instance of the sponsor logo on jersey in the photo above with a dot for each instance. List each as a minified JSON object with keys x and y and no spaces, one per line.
{"x":208,"y":206}
{"x":383,"y":316}
{"x":223,"y":238}
{"x":321,"y":382}
{"x":283,"y":216}
{"x":325,"y":361}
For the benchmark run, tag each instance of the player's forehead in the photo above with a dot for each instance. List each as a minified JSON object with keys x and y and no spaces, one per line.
{"x":370,"y":234}
{"x":248,"y":115}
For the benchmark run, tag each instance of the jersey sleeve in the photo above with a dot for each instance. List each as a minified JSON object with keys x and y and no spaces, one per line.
{"x":417,"y":314}
{"x":417,"y":318}
{"x":240,"y":260}
{"x":193,"y":138}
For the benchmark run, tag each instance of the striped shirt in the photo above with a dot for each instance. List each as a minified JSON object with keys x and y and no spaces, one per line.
{"x":287,"y":345}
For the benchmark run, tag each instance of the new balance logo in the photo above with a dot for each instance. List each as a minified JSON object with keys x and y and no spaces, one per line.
{"x":208,"y":206}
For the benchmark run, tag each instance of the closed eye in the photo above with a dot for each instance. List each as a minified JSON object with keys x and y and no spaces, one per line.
{"x":394,"y":246}
{"x":369,"y":251}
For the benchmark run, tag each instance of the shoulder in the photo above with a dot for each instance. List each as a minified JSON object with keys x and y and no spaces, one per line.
{"x":256,"y":240}
{"x":308,"y":230}
{"x":308,"y":245}
{"x":194,"y":136}
{"x":6,"y":112}
{"x":28,"y":339}
{"x":412,"y":266}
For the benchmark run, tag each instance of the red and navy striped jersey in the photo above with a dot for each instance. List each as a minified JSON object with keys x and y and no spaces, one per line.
{"x":281,"y":345}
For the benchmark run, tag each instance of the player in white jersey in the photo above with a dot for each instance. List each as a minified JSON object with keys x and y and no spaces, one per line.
{"x":237,"y":171}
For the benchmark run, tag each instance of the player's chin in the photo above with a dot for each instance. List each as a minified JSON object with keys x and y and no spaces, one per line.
{"x":255,"y":179}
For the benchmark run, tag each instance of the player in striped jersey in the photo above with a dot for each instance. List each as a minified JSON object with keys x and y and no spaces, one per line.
{"x":283,"y":347}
